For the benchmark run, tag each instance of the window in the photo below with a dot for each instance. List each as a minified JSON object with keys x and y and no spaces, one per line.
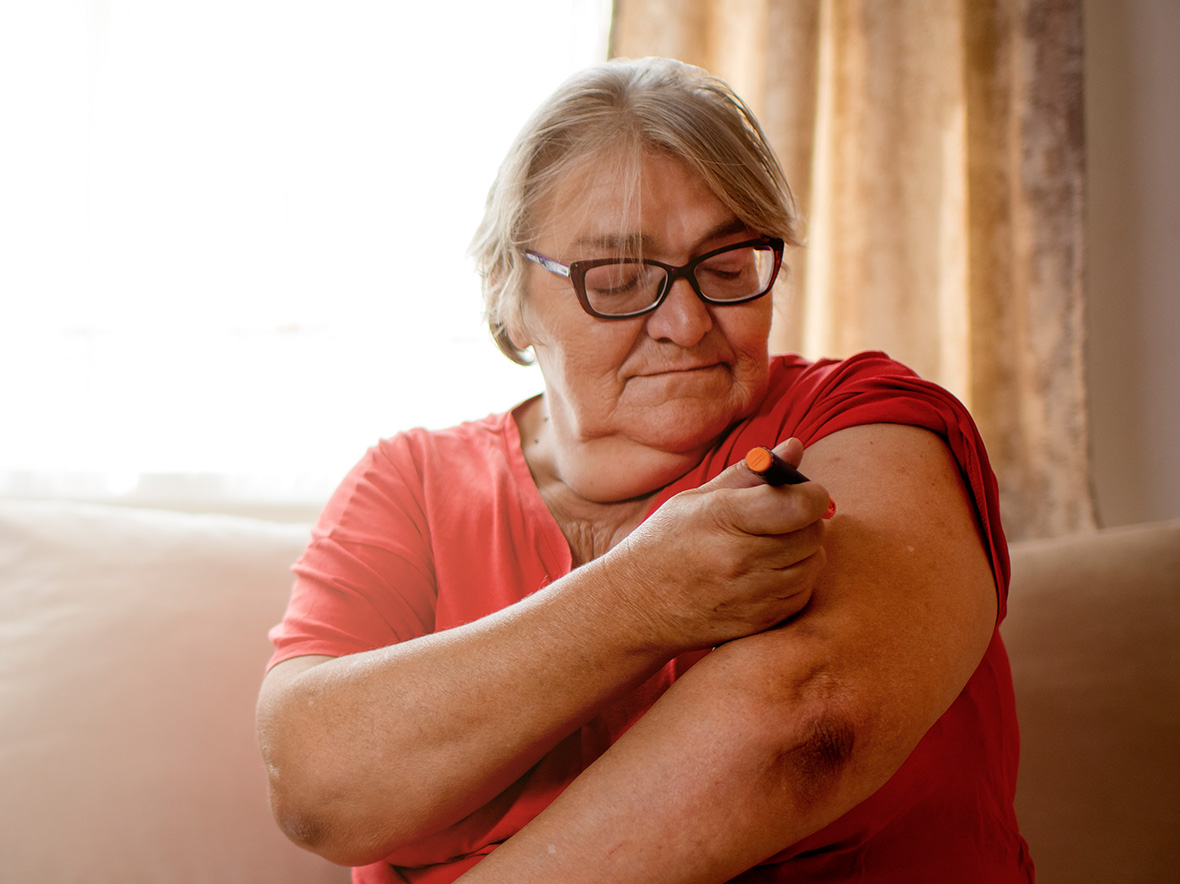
{"x":220,"y":227}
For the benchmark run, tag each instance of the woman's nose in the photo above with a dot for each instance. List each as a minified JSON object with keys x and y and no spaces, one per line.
{"x":683,"y":318}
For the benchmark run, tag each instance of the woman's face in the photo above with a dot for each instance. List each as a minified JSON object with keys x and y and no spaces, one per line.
{"x":674,"y":379}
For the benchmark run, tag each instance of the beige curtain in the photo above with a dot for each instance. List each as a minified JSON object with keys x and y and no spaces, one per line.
{"x":935,"y":150}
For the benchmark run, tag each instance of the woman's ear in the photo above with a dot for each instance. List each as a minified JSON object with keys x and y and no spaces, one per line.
{"x":518,"y":327}
{"x":515,"y":330}
{"x":517,"y":334}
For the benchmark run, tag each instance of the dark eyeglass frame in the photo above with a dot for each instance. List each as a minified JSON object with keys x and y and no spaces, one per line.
{"x":576,"y":273}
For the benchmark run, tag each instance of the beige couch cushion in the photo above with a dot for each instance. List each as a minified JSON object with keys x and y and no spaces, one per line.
{"x":1094,"y":636}
{"x":132,"y":643}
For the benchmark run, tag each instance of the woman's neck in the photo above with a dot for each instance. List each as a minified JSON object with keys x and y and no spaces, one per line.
{"x":597,"y":490}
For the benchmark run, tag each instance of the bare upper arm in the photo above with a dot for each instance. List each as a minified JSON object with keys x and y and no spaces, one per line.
{"x":907,"y":603}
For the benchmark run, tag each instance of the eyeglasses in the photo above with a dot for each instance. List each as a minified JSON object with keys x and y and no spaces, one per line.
{"x":618,"y":288}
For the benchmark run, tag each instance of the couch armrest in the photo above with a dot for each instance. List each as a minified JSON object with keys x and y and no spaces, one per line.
{"x":1093,"y":633}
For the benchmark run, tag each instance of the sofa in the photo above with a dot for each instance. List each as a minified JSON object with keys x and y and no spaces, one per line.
{"x":132,"y":642}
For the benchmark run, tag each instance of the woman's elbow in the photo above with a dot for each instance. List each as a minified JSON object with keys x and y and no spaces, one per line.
{"x":301,"y":810}
{"x":314,"y":800}
{"x":305,"y":829}
{"x":320,"y":821}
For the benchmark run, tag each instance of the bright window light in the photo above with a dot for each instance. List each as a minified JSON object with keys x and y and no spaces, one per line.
{"x":233,"y":233}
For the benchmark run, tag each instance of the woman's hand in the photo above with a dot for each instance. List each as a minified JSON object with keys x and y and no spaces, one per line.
{"x":729,"y":559}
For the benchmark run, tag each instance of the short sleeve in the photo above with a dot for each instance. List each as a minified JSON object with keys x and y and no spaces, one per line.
{"x":366,"y":579}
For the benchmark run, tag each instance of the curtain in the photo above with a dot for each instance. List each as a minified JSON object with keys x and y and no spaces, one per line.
{"x":935,"y":150}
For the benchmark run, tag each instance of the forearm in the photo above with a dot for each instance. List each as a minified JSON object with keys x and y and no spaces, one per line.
{"x":710,"y":782}
{"x":381,"y":748}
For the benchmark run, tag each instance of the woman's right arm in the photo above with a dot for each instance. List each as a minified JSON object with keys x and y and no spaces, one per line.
{"x":382,"y":748}
{"x":378,"y":749}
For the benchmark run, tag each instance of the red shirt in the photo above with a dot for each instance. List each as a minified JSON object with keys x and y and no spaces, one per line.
{"x":435,"y":529}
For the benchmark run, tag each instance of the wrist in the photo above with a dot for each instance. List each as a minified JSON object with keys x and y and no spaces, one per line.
{"x":627,"y":594}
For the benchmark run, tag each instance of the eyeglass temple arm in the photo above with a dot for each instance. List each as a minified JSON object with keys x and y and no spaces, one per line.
{"x":549,"y":264}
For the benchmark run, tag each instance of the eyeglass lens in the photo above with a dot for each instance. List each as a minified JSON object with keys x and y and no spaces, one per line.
{"x":628,"y":286}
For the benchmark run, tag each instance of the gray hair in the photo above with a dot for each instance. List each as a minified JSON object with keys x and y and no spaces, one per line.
{"x":628,"y":106}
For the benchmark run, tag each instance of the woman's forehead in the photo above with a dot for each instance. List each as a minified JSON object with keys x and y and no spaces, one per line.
{"x":628,"y":201}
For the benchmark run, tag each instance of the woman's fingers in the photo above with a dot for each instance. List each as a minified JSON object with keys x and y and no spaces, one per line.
{"x":739,"y":475}
{"x":731,"y":558}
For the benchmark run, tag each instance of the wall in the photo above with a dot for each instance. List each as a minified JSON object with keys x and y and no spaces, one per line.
{"x":1132,"y":80}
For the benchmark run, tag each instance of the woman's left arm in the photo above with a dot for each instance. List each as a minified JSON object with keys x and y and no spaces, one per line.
{"x":771,"y":737}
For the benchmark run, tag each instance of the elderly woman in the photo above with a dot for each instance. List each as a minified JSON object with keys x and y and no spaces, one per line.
{"x":583,"y":640}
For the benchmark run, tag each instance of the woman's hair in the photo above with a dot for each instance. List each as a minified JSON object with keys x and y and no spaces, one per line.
{"x":624,"y":107}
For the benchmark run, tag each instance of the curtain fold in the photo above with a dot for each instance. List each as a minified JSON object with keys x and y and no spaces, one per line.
{"x":936,"y":152}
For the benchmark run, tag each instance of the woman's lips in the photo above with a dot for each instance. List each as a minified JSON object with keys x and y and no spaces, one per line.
{"x":682,"y":369}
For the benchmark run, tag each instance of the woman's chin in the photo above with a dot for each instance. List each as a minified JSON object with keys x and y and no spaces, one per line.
{"x":682,"y":427}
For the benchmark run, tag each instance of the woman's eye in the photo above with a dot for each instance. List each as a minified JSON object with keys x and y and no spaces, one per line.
{"x":728,"y":266}
{"x":604,"y":284}
{"x":613,"y":280}
{"x":722,"y":272}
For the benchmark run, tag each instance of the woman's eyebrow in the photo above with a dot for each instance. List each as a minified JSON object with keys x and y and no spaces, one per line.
{"x":615,"y":241}
{"x":638,"y":242}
